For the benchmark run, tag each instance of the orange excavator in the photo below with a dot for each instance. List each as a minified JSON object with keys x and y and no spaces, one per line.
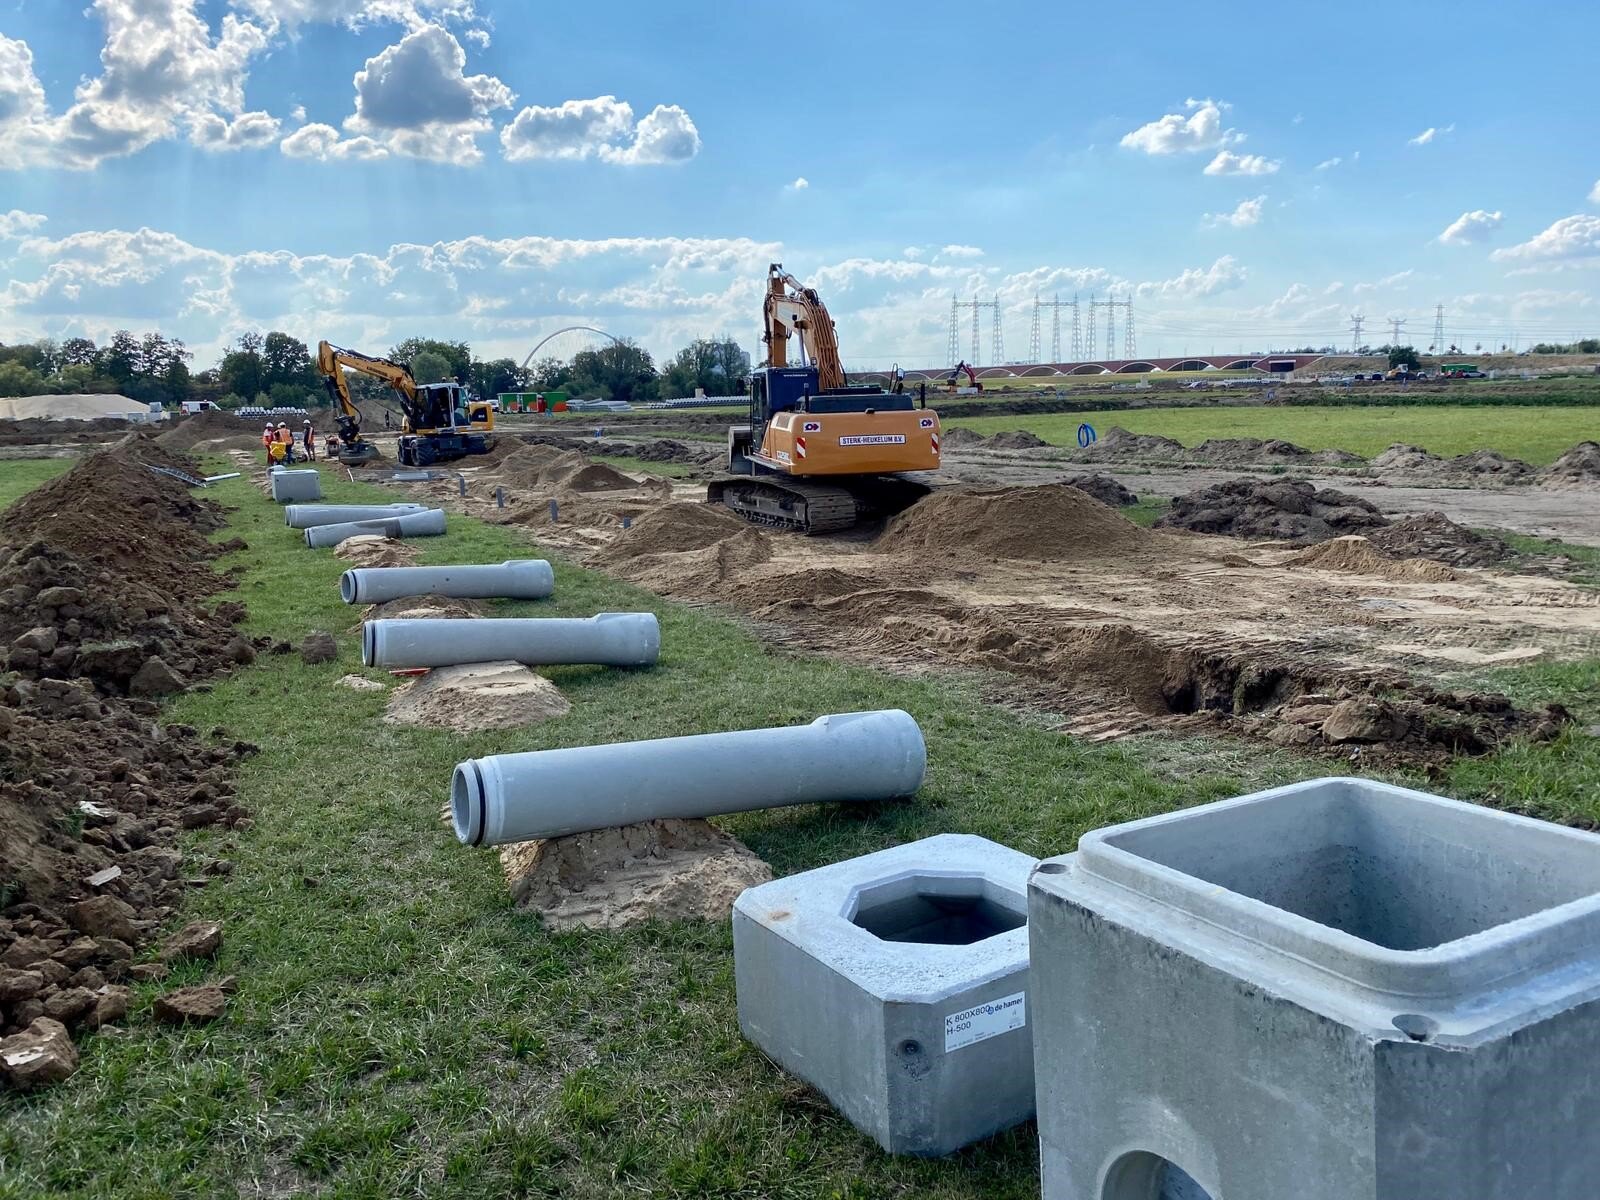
{"x":818,"y":453}
{"x":951,"y":384}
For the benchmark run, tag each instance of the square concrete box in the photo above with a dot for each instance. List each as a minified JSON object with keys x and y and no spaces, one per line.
{"x":1329,"y":991}
{"x":897,"y":985}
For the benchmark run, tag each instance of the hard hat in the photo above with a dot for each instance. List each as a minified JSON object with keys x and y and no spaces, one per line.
{"x":308,"y":420}
{"x":282,"y":425}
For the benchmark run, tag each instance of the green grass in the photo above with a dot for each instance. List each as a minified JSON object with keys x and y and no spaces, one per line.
{"x":1537,"y":434}
{"x":400,"y":1029}
{"x":669,"y":470}
{"x":18,"y":476}
{"x":1586,"y":559}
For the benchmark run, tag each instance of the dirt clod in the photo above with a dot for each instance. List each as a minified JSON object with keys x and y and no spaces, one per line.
{"x":1293,"y":510}
{"x":319,"y":647}
{"x":1104,"y":489}
{"x":197,"y":939}
{"x":41,"y":1054}
{"x":1015,"y":439}
{"x":1433,"y":535}
{"x":190,"y":1005}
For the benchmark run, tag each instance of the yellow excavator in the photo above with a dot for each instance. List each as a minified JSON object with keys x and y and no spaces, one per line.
{"x":438,"y":423}
{"x":818,"y":453}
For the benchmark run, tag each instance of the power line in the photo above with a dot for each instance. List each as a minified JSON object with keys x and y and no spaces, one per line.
{"x":1395,"y":324}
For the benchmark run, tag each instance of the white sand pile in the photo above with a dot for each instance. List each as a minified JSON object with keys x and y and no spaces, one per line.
{"x":500,"y":695}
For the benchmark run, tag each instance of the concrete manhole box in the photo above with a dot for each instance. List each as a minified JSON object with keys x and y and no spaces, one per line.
{"x":897,"y":985}
{"x":1331,"y":990}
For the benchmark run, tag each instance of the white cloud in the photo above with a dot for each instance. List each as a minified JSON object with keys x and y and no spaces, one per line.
{"x":958,"y":251}
{"x":356,"y":14}
{"x":1332,"y":288}
{"x":1200,"y":130}
{"x":1395,"y":282}
{"x":1570,"y":240}
{"x":478,"y":37}
{"x":323,"y":144}
{"x":601,"y":128}
{"x":298,"y":113}
{"x":1223,"y":275}
{"x":1228,"y":163}
{"x":160,"y":68}
{"x":417,"y":99}
{"x":1430,"y":134}
{"x":1470,"y":227}
{"x":800,"y":184}
{"x":250,"y":130}
{"x":1328,"y":164}
{"x":1594,"y":193}
{"x":1247,"y":213}
{"x":16,"y":223}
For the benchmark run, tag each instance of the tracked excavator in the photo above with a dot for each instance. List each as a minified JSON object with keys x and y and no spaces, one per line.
{"x":438,"y":423}
{"x":817,"y":453}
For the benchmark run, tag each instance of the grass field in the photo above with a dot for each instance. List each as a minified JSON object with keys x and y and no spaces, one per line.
{"x":400,"y":1029}
{"x":19,"y":476}
{"x":1537,"y":434}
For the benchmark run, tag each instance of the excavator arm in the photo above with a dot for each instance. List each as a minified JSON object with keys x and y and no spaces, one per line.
{"x":331,"y":362}
{"x":794,"y":310}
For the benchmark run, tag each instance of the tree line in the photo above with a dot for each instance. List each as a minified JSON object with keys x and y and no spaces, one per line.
{"x":276,"y":369}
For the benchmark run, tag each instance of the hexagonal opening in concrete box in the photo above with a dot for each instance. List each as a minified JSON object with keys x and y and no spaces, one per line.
{"x":938,"y":910}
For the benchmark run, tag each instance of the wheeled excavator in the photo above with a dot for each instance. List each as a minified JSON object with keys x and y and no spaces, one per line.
{"x":818,"y":453}
{"x":438,"y":423}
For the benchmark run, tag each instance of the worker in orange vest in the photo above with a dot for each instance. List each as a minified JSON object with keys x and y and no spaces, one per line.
{"x":309,"y":437}
{"x":266,"y":442}
{"x":286,"y":439}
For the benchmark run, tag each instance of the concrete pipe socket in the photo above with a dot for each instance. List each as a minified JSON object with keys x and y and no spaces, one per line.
{"x":551,"y":793}
{"x":305,"y":516}
{"x":519,"y":579}
{"x":428,"y":523}
{"x":607,"y":639}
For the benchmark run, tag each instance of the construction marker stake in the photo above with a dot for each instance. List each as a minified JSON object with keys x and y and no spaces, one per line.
{"x":461,"y":481}
{"x":499,"y":497}
{"x":555,"y":512}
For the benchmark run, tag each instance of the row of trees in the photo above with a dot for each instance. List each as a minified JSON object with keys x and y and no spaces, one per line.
{"x":277,"y":369}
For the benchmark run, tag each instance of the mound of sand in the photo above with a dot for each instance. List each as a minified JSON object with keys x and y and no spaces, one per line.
{"x":673,"y":528}
{"x":698,"y":572}
{"x":422,"y":608}
{"x":375,"y":550}
{"x":203,"y":427}
{"x":1015,"y":439}
{"x":1050,"y":522}
{"x":1280,"y":509}
{"x":525,"y":464}
{"x":547,"y":468}
{"x":817,"y":583}
{"x":961,"y":438}
{"x":473,"y":696}
{"x":74,"y":407}
{"x":1104,"y":489}
{"x":1433,"y":535}
{"x":1404,"y":459}
{"x":612,"y":878}
{"x":669,"y":450}
{"x":1578,"y":467}
{"x":1357,"y":555}
{"x":1119,"y":443}
{"x":1490,"y":462}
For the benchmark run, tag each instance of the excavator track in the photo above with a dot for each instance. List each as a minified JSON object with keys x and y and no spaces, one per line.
{"x":793,"y":504}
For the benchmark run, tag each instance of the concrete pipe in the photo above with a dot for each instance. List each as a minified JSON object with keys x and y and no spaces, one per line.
{"x":427,"y":523}
{"x":291,"y":486}
{"x":305,"y":516}
{"x":550,"y":793}
{"x":609,"y":639}
{"x":520,"y":579}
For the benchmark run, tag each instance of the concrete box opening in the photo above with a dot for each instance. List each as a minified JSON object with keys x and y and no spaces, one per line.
{"x":938,"y":910}
{"x":1374,"y":866}
{"x":1145,"y":1176}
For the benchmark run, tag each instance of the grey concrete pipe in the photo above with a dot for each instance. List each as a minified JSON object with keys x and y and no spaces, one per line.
{"x":609,"y":639}
{"x":520,"y":579}
{"x":291,"y":486}
{"x":550,"y":793}
{"x":305,"y":516}
{"x":427,"y":523}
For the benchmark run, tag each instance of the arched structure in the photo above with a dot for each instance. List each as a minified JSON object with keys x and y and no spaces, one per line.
{"x":1089,"y":369}
{"x":569,"y":329}
{"x":1191,"y":364}
{"x":1242,"y":364}
{"x":1136,"y":368}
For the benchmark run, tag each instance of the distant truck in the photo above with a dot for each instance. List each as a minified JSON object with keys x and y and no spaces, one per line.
{"x":198,"y":406}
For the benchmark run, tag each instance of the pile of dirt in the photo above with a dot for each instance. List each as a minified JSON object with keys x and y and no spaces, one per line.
{"x":1279,"y":509}
{"x":1434,"y":535}
{"x":375,"y":550}
{"x":672,"y":528}
{"x":1247,"y":451}
{"x":105,"y":602}
{"x":961,"y":438}
{"x":613,"y":878}
{"x":1117,"y":442}
{"x":498,"y":695}
{"x":1104,"y":489}
{"x":422,"y":608}
{"x":1049,"y":522}
{"x":38,"y":431}
{"x":1358,"y":556}
{"x":1578,"y":467}
{"x":204,"y":427}
{"x":1405,"y":459}
{"x":702,"y":572}
{"x":525,"y":464}
{"x":816,"y":583}
{"x":545,"y":468}
{"x":670,"y":451}
{"x":1015,"y":439}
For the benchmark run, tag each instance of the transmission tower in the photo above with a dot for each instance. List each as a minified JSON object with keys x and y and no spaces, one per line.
{"x":1128,"y":344}
{"x":1055,"y":306}
{"x":1088,"y":338}
{"x":1356,"y":321}
{"x":1033,"y":337}
{"x":1077,"y":332}
{"x":1394,"y":325}
{"x":1438,"y":329}
{"x":997,"y":353}
{"x":955,"y":331}
{"x":1111,"y":328}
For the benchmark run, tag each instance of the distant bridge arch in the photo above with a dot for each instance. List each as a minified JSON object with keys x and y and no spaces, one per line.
{"x":548,"y":338}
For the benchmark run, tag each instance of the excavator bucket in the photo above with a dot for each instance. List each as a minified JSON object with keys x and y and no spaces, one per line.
{"x":361,"y":453}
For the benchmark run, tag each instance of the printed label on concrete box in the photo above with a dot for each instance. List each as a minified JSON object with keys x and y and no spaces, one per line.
{"x":987,"y":1020}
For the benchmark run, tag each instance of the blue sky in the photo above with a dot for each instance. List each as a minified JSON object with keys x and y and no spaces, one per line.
{"x":493,"y":171}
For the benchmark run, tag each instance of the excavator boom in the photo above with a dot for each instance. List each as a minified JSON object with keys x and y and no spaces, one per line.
{"x":430,"y":430}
